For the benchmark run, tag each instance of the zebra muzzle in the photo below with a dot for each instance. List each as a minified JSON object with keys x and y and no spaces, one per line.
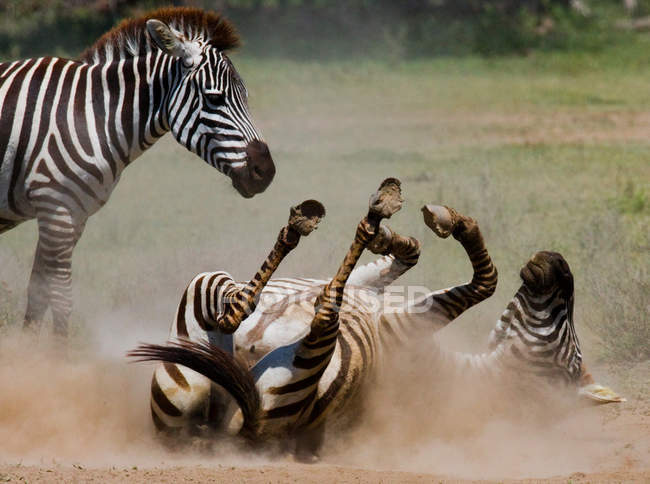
{"x":257,"y":174}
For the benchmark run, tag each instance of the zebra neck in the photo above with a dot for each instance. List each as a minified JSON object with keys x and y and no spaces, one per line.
{"x":474,"y":366}
{"x":416,"y":331}
{"x":410,"y":324}
{"x":132,"y":113}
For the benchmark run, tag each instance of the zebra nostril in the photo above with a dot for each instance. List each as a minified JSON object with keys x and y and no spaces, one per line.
{"x":260,"y":169}
{"x":257,"y":172}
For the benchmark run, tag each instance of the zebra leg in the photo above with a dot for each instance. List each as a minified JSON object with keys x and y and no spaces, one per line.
{"x":387,"y":242}
{"x":38,"y":294}
{"x":443,"y":306}
{"x":308,"y":443}
{"x":239,"y":303}
{"x":450,"y":303}
{"x":313,"y":354}
{"x":400,"y":254}
{"x":52,"y":271}
{"x":383,"y":204}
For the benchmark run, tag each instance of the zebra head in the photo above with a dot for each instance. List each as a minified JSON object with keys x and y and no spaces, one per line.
{"x":537,"y":327}
{"x":208,"y":111}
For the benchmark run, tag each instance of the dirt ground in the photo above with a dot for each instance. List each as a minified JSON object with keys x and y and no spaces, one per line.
{"x":628,"y":433}
{"x":277,"y":473}
{"x":86,"y":422}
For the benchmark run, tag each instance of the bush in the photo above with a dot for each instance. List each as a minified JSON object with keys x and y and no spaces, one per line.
{"x":331,"y":29}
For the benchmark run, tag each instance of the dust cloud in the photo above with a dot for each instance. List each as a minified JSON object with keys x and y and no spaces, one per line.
{"x":82,"y":405}
{"x":423,"y":416}
{"x":88,"y":405}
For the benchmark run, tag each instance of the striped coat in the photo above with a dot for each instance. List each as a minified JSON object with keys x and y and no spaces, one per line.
{"x":68,"y":128}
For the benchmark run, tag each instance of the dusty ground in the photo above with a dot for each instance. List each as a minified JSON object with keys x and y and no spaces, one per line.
{"x":277,"y":473}
{"x":87,"y":422}
{"x":628,"y":464}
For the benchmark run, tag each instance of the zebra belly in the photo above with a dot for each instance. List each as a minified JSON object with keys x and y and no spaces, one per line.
{"x":267,"y":341}
{"x":258,"y":336}
{"x":279,"y":321}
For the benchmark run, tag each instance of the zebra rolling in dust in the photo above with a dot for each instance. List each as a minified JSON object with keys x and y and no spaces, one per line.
{"x":70,"y":127}
{"x":280,"y":358}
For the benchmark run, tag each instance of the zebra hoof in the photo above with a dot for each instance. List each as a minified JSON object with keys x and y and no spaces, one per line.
{"x":442,"y":220}
{"x":304,"y":218}
{"x":387,"y":199}
{"x":306,"y":457}
{"x":32,"y":327}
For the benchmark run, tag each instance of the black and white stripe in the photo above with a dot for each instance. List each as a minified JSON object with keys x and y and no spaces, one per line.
{"x":70,"y":127}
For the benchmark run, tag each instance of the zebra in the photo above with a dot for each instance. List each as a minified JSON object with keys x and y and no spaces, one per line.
{"x":70,"y":127}
{"x":304,"y":352}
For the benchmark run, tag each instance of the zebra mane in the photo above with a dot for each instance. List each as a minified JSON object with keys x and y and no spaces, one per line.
{"x":130,"y":38}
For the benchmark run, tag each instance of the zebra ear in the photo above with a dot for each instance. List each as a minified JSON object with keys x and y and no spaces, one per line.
{"x":170,"y":42}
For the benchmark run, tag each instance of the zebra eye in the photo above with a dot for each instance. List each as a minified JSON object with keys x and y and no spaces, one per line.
{"x":216,"y":97}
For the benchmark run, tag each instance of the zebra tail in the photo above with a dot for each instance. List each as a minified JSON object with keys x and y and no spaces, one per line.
{"x":216,"y":364}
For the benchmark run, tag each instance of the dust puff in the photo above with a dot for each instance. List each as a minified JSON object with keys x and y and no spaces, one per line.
{"x":68,"y":405}
{"x":422,"y":415}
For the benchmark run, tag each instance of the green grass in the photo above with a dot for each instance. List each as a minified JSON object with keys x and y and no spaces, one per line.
{"x":540,"y":150}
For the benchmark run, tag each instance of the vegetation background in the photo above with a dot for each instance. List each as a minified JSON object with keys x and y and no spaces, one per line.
{"x":532,"y":116}
{"x":320,"y":29}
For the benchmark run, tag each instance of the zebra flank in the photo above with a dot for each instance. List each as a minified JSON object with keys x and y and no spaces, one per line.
{"x":70,"y":127}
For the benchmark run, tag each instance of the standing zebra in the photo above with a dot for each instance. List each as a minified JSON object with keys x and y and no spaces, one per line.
{"x":307,"y":348}
{"x":68,"y":128}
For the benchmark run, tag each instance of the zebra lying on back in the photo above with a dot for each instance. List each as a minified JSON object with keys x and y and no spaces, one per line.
{"x":70,"y":127}
{"x":280,"y":358}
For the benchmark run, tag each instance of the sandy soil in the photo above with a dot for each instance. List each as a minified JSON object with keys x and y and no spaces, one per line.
{"x":84,"y":418}
{"x":270,"y":474}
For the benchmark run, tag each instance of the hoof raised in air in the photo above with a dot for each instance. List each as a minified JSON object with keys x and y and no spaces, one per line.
{"x":387,"y":199}
{"x":442,"y":220}
{"x":304,"y":218}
